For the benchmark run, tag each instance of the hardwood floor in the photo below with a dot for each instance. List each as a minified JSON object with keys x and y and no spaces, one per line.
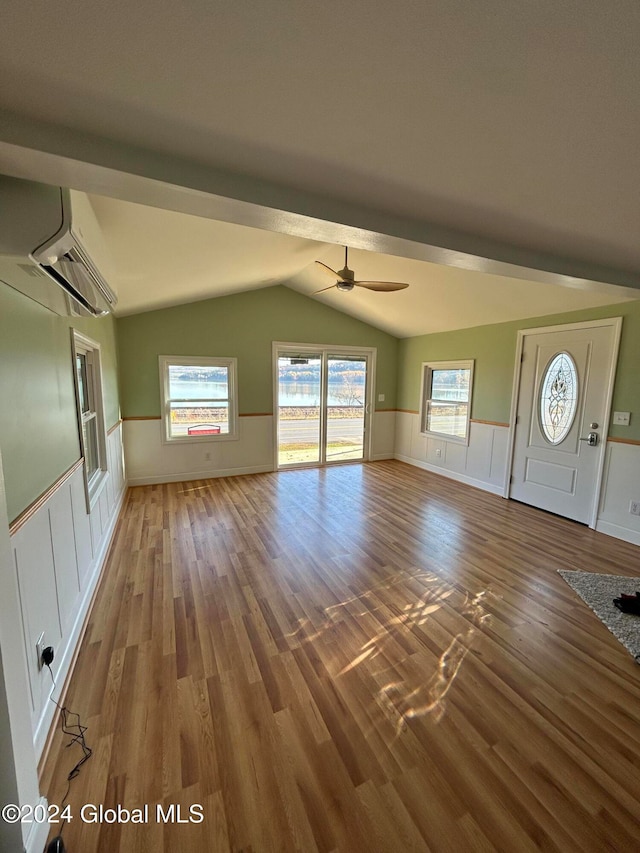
{"x":362,"y":658}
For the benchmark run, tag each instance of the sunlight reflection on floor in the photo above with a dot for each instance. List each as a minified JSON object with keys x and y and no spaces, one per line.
{"x":413,"y":694}
{"x":429,"y":698}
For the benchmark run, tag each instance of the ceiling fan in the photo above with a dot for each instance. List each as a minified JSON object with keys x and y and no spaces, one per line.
{"x":345,"y":279}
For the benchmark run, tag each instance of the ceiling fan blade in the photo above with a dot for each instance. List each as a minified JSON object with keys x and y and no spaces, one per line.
{"x":315,"y":293}
{"x":329,"y":271}
{"x":382,"y":286}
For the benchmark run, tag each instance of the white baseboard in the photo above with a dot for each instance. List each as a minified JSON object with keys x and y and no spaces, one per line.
{"x":452,"y":475}
{"x":208,"y":474}
{"x":75,"y":636}
{"x":618,"y":531}
{"x":379,"y":457}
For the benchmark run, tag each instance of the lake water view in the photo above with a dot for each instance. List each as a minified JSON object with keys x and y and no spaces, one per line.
{"x":290,"y":394}
{"x":303,"y":394}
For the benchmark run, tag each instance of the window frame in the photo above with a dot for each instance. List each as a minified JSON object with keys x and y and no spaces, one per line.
{"x":577,"y":385}
{"x":166,"y":361}
{"x":81,"y":345}
{"x":426,"y":397}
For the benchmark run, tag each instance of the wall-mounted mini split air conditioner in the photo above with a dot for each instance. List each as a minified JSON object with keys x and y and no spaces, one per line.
{"x":52,"y":248}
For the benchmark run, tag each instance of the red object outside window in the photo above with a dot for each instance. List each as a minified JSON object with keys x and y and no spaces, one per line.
{"x":204,"y":429}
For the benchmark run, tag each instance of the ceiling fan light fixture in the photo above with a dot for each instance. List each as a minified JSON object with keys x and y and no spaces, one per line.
{"x":346,"y":279}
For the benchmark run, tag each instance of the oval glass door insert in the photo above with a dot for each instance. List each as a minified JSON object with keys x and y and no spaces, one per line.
{"x":558,"y":397}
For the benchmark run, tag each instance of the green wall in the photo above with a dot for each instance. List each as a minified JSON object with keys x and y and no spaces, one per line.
{"x":493,"y":348}
{"x":38,"y":426}
{"x":242,"y":326}
{"x":38,"y":431}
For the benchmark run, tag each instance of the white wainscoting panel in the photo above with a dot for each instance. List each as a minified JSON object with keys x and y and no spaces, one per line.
{"x":33,"y":557}
{"x":81,"y":529}
{"x":58,"y":554}
{"x":96,"y":528}
{"x":404,"y":432}
{"x":621,"y":485}
{"x":115,"y":461}
{"x":65,"y":562}
{"x":481,"y":463}
{"x":148,"y":460}
{"x":384,"y":435}
{"x":499,"y":452}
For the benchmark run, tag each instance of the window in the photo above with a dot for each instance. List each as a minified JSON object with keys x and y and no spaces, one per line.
{"x":198,"y":398}
{"x":93,"y":442}
{"x":446,"y":399}
{"x":558,"y":397}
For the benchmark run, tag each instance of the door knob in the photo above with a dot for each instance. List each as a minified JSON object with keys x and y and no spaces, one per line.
{"x":591,"y":439}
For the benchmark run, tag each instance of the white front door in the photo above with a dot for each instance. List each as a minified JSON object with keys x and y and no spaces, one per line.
{"x":566,"y":381}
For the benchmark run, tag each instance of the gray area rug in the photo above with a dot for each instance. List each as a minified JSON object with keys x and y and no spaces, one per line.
{"x":598,"y":591}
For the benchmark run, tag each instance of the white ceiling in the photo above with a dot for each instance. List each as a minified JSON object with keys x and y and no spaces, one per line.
{"x":440,"y":298}
{"x":511,"y":127}
{"x":161,"y":258}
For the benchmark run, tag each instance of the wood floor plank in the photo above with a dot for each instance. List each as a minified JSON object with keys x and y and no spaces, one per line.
{"x":362,"y":658}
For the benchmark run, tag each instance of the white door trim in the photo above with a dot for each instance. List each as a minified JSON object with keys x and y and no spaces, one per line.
{"x":328,"y":349}
{"x":616,"y":323}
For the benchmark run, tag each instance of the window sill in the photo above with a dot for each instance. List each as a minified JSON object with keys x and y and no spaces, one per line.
{"x":200,"y":439}
{"x":454,"y":439}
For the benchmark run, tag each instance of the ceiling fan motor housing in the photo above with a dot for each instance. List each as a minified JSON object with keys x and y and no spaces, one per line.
{"x":345,"y":285}
{"x":346,"y":274}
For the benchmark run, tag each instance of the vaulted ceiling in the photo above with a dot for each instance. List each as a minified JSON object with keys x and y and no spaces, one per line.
{"x":163,"y":258}
{"x":495,"y":138}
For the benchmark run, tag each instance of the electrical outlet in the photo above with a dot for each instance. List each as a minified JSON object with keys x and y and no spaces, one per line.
{"x":634,"y":507}
{"x":381,"y":398}
{"x":438,"y":451}
{"x":207,"y":457}
{"x":39,"y":648}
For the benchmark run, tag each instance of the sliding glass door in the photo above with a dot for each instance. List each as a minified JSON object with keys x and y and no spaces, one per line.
{"x":299,"y":407}
{"x":322,"y":405}
{"x":346,"y":407}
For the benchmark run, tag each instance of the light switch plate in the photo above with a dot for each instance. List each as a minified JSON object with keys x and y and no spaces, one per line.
{"x":381,"y":398}
{"x":621,"y":418}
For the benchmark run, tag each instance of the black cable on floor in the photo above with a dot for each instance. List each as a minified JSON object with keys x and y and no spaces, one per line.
{"x":76,"y":732}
